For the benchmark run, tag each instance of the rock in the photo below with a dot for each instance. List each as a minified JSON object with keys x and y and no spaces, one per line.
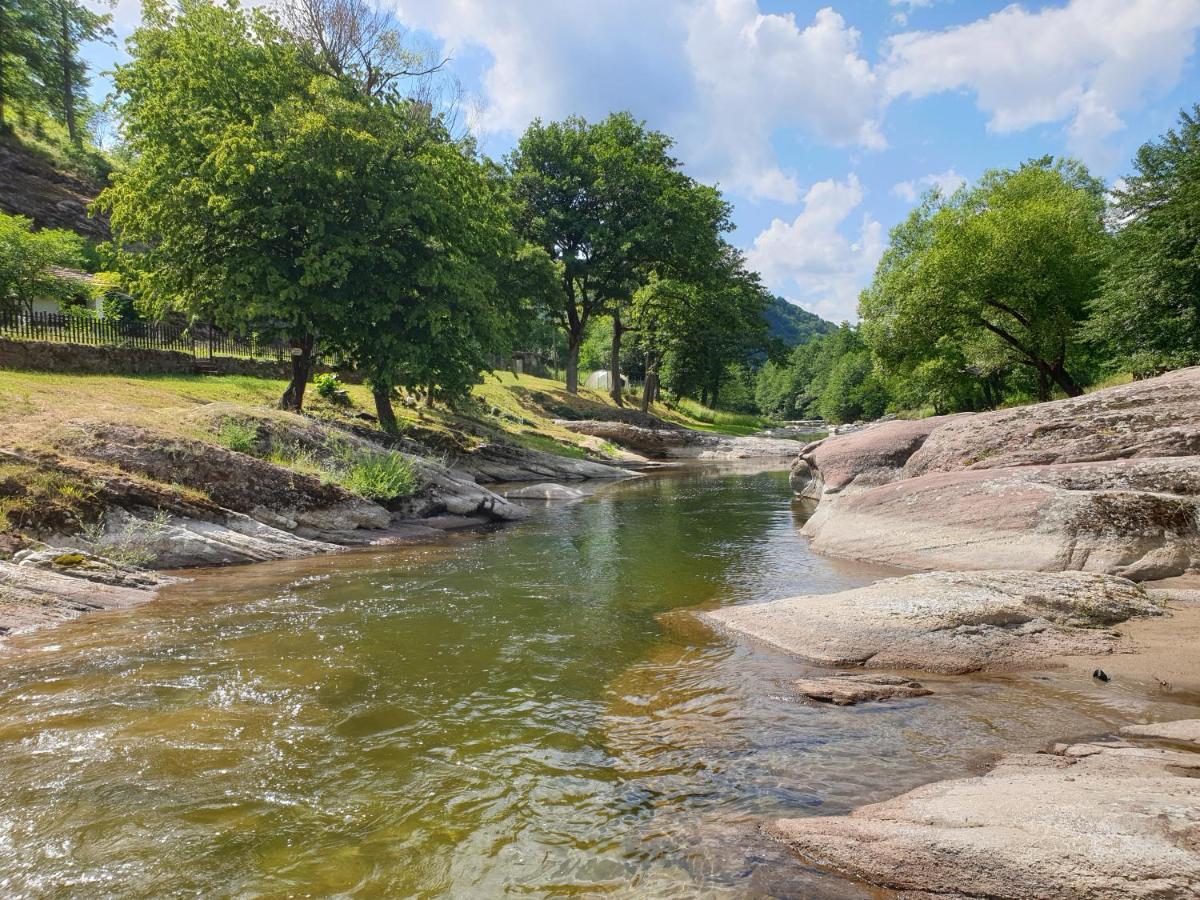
{"x":948,"y":622}
{"x":1108,"y":482}
{"x":82,"y":564}
{"x":548,"y":491}
{"x":31,"y":596}
{"x":847,"y":689}
{"x":1183,"y":730}
{"x":1112,"y":822}
{"x":862,"y":458}
{"x":683,"y":443}
{"x":505,"y":462}
{"x":1134,"y":518}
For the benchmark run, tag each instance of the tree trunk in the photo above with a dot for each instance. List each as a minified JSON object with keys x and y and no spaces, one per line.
{"x":650,"y":385}
{"x":1043,"y":382}
{"x":293,"y":397}
{"x":68,"y":88}
{"x":573,"y":341}
{"x":614,"y":362}
{"x":382,"y":392}
{"x":1064,"y":380}
{"x":429,"y":397}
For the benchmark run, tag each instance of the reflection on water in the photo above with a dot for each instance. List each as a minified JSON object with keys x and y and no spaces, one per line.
{"x":506,"y":713}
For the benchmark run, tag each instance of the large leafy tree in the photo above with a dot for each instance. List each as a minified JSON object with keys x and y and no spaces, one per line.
{"x":1002,"y":271}
{"x":210,"y":216}
{"x":1148,"y":312}
{"x":607,"y":202}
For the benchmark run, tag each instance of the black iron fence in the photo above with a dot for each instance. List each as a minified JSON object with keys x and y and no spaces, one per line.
{"x":204,"y":341}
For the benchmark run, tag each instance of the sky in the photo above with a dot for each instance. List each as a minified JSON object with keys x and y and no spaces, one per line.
{"x":822,"y":122}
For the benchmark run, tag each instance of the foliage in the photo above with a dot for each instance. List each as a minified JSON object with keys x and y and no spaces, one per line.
{"x":792,"y":325}
{"x":1148,"y":314}
{"x":239,"y":436}
{"x":328,"y":386}
{"x":380,"y":476}
{"x":1000,"y":273}
{"x":26,"y":258}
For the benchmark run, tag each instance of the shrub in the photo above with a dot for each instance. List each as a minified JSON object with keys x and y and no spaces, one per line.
{"x":330,"y":388}
{"x":380,"y":476}
{"x":241,"y":437}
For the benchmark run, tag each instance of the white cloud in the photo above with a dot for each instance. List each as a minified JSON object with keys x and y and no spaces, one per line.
{"x":811,"y":260}
{"x":1083,"y":63}
{"x":758,"y":74}
{"x":717,"y":74}
{"x":946,"y":182}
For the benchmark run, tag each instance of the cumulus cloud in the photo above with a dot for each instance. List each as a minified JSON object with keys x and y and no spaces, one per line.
{"x":719,"y":75}
{"x":946,"y":182}
{"x":812,"y":260}
{"x":758,"y":74}
{"x":1081,"y":64}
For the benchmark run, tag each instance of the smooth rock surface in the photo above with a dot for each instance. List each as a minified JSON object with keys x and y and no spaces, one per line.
{"x":1111,"y":822}
{"x":1108,"y":482}
{"x":1187,"y":730}
{"x":31,"y":597}
{"x":848,"y":689}
{"x":948,"y":622}
{"x":684,"y":443}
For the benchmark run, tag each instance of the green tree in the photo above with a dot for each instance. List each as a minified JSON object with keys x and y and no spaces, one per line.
{"x":1005,"y":269}
{"x":27,"y":258}
{"x":199,"y":221}
{"x":74,"y":25}
{"x":1148,"y":312}
{"x":26,"y":33}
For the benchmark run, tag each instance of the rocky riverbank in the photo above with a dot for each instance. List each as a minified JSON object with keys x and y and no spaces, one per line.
{"x":103,"y":504}
{"x":1054,"y":525}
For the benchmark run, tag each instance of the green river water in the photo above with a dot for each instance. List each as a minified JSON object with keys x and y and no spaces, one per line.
{"x":519,"y":712}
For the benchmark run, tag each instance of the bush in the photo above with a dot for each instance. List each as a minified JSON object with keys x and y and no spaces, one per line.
{"x":241,"y":437}
{"x":380,"y":476}
{"x":329,"y":387}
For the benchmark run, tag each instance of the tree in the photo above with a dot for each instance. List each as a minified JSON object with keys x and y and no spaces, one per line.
{"x":359,"y":42}
{"x":26,"y":31}
{"x":1006,"y":269}
{"x":27,"y":258}
{"x":207,"y":218}
{"x":603,"y":200}
{"x":74,"y":25}
{"x":1148,"y":311}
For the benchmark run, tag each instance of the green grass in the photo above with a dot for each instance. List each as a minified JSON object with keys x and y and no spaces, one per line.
{"x":241,"y":437}
{"x":380,"y":476}
{"x":719,"y":420}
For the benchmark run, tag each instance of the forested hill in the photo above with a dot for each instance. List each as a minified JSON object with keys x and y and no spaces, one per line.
{"x":793,"y":325}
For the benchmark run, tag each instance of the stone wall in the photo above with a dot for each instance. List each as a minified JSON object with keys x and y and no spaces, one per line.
{"x":46,"y":356}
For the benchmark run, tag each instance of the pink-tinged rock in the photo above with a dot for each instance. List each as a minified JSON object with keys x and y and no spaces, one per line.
{"x":1153,"y":418}
{"x":1135,"y":518}
{"x":1104,"y":823}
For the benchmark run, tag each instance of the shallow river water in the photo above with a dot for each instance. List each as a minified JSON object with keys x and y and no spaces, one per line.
{"x":520,"y":712}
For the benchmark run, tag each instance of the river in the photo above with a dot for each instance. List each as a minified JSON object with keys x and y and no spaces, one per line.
{"x":519,"y":712}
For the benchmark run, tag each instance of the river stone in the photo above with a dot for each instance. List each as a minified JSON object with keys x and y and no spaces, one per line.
{"x":948,"y":622}
{"x":847,"y":689}
{"x":548,"y":491}
{"x":683,"y":443}
{"x":82,"y":564}
{"x":1185,"y":730}
{"x":1114,"y":822}
{"x":31,"y":596}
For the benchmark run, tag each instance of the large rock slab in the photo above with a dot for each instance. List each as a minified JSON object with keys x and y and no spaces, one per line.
{"x":683,"y":443}
{"x":849,"y":688}
{"x":1136,"y":518}
{"x":948,"y":622}
{"x":1156,"y":417}
{"x":32,"y":596}
{"x":1108,"y":482}
{"x":1094,"y":823}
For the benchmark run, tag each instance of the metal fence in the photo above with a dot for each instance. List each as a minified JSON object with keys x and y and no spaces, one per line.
{"x":205,"y":341}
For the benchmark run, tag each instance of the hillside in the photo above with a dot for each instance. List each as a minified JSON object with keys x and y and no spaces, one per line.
{"x":54,"y":191}
{"x":793,"y":325}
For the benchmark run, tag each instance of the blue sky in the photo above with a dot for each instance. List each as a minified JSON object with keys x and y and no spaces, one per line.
{"x":823,"y":122}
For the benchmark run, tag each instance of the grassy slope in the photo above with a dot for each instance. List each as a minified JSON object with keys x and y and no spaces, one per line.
{"x":34,"y":407}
